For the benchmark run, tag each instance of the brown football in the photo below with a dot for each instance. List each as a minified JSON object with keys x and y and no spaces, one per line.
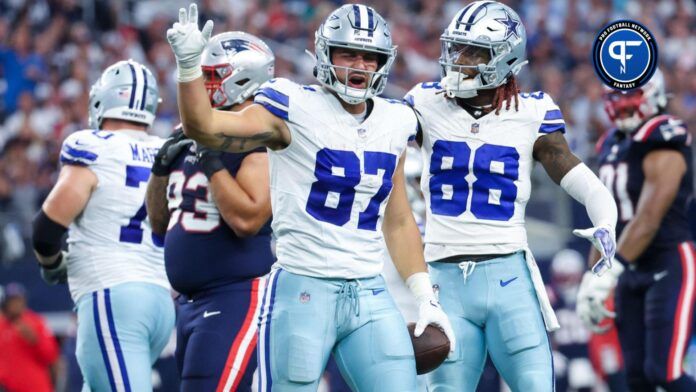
{"x":431,"y":348}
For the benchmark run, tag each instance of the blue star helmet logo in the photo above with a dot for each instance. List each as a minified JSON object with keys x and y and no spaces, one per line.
{"x":510,"y":25}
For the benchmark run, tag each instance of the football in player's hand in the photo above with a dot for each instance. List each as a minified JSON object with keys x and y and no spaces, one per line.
{"x":431,"y":348}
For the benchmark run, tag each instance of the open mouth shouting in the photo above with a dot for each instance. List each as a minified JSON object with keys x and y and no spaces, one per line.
{"x":357,"y":80}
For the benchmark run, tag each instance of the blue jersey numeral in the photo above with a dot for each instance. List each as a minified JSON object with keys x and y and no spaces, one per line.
{"x":373,"y":162}
{"x":338,"y":173}
{"x":448,"y":188}
{"x":493,"y":192}
{"x":427,"y":85}
{"x":535,"y":95}
{"x":133,"y":232}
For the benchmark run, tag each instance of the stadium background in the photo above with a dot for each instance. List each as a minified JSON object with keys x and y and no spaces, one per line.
{"x":51,"y":51}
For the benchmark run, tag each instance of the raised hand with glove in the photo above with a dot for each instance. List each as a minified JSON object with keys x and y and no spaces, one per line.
{"x":188,"y":43}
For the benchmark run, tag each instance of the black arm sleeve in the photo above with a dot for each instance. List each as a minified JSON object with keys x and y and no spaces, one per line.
{"x":47,"y":235}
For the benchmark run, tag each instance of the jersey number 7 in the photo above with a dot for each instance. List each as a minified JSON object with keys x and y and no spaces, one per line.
{"x":133,"y":231}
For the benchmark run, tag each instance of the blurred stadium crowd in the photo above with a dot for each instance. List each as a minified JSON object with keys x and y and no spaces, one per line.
{"x":52,"y":50}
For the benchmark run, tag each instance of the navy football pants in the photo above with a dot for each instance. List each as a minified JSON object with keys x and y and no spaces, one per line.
{"x":655,"y":313}
{"x":216,"y":337}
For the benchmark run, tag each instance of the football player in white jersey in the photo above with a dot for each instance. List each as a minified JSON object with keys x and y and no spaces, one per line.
{"x":336,"y":154}
{"x":114,"y":264}
{"x":479,"y":140}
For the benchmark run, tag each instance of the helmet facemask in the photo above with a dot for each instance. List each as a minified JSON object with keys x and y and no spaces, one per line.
{"x":376,"y":80}
{"x":235,"y":65}
{"x":470,"y":66}
{"x":640,"y":103}
{"x":489,"y":28}
{"x":213,"y":76}
{"x":353,"y":27}
{"x":627,"y":109}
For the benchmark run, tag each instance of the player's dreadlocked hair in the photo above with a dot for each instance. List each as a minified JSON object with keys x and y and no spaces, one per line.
{"x":505,"y":93}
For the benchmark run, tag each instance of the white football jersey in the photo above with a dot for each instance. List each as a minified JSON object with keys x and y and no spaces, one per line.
{"x":476,"y":172}
{"x":330,"y":186}
{"x":111,"y":242}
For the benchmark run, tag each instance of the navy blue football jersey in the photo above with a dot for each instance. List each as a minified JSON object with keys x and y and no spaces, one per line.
{"x":201,"y":252}
{"x":621,"y":158}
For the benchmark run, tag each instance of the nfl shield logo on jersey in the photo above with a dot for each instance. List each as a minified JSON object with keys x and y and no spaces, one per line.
{"x":305,"y":297}
{"x":475,"y":128}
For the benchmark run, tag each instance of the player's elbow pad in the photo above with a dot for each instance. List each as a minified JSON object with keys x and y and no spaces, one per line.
{"x":47,"y":235}
{"x":584,"y":186}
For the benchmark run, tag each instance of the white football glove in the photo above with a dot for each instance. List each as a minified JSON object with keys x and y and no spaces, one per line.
{"x":429,"y":309}
{"x":188,"y":43}
{"x":592,"y":294}
{"x":604,"y":239}
{"x":430,"y":312}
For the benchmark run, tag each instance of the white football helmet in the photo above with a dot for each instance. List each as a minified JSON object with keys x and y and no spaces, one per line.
{"x":235,"y":64}
{"x":354,"y":26}
{"x":628,"y":109}
{"x":567,"y":268}
{"x":126,"y":90}
{"x":482,"y":27}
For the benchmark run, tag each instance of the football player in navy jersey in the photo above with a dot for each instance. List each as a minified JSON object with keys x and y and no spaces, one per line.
{"x":215,"y":209}
{"x":646,"y":162}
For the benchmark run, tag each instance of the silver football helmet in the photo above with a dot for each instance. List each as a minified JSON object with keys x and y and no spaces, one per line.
{"x":640,"y":104}
{"x":235,"y":65}
{"x":354,"y":26}
{"x":486,"y":26}
{"x":126,"y":90}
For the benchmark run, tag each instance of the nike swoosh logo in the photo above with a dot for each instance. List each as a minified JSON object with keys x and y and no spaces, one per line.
{"x":77,"y":143}
{"x":207,"y":314}
{"x":660,"y":275}
{"x":376,"y":291}
{"x":506,"y":282}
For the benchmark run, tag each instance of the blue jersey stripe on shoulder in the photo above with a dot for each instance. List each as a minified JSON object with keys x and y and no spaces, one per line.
{"x":81,"y":154}
{"x":68,"y":161}
{"x":548,"y":128}
{"x":275,"y":96}
{"x":553,"y":115}
{"x":273,"y":109}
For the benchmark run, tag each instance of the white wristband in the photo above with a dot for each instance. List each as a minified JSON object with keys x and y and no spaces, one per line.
{"x":421,"y":287}
{"x":584,"y":186}
{"x":185,"y":74}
